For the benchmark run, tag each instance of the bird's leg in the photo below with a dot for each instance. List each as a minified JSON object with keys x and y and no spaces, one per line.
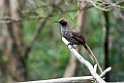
{"x":70,"y":44}
{"x":75,"y":46}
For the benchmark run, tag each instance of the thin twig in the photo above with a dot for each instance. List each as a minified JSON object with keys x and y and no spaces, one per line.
{"x":105,"y":71}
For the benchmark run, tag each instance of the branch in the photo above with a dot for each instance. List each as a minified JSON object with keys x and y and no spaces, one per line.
{"x":76,"y":79}
{"x":10,"y":20}
{"x":85,"y":62}
{"x":105,"y":71}
{"x":62,"y":80}
{"x":105,"y":6}
{"x":69,"y":79}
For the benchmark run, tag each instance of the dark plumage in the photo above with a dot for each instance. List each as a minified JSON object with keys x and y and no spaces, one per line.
{"x":72,"y":35}
{"x":75,"y":37}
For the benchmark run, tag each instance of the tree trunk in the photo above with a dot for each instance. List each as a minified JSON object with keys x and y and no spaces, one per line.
{"x":17,"y":26}
{"x":72,"y":67}
{"x":11,"y":33}
{"x":81,"y":22}
{"x":106,"y":42}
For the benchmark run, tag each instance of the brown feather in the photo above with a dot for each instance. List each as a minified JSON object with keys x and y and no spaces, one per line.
{"x":78,"y":36}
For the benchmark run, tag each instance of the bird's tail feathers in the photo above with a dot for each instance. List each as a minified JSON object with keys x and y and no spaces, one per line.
{"x":91,"y":55}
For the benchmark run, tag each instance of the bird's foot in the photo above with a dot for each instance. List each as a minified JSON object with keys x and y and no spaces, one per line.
{"x":72,"y":45}
{"x":75,"y":46}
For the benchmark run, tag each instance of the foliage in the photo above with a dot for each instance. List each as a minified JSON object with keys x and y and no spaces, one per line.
{"x":49,"y":56}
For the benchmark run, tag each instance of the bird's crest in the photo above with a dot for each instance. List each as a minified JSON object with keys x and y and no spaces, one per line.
{"x":63,"y":19}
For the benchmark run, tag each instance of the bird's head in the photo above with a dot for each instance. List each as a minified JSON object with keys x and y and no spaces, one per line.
{"x":62,"y":21}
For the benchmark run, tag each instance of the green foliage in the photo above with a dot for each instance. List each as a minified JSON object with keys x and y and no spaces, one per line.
{"x":29,"y":29}
{"x":49,"y":56}
{"x":47,"y":60}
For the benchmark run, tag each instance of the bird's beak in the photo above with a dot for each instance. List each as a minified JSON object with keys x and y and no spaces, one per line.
{"x":55,"y":21}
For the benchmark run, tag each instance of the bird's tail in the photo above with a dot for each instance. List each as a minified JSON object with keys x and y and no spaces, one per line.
{"x":91,"y":55}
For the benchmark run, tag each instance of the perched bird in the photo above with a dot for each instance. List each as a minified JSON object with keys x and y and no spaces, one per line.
{"x":75,"y":38}
{"x":72,"y":35}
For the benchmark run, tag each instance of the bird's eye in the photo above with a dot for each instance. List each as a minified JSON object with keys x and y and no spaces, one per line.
{"x":62,"y":21}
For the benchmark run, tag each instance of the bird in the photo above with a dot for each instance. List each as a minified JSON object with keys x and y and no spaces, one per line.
{"x":75,"y":38}
{"x":72,"y":35}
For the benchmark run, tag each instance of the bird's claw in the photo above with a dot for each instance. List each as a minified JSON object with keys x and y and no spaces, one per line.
{"x":69,"y":44}
{"x":72,"y":46}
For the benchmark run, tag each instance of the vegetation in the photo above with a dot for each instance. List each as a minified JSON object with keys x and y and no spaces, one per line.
{"x":41,"y":54}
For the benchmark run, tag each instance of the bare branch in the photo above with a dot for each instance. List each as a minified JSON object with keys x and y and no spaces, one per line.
{"x":85,"y":62}
{"x":105,"y":71}
{"x":105,"y":6}
{"x":76,"y":79}
{"x":69,"y":79}
{"x":63,"y":80}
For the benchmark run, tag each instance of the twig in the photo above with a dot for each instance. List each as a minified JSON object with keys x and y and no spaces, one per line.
{"x":85,"y":62}
{"x":95,"y":67}
{"x":105,"y":71}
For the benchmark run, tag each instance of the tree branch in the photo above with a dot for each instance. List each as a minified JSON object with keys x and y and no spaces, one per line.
{"x":105,"y":6}
{"x":63,"y":80}
{"x":68,"y":79}
{"x":85,"y":62}
{"x":76,"y":79}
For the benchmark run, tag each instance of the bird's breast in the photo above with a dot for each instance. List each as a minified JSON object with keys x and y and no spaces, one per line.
{"x":67,"y":34}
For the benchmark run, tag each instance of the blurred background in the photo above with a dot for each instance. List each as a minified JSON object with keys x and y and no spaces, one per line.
{"x":31,"y":48}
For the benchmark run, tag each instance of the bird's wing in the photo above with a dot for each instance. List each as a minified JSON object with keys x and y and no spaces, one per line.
{"x":77,"y":35}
